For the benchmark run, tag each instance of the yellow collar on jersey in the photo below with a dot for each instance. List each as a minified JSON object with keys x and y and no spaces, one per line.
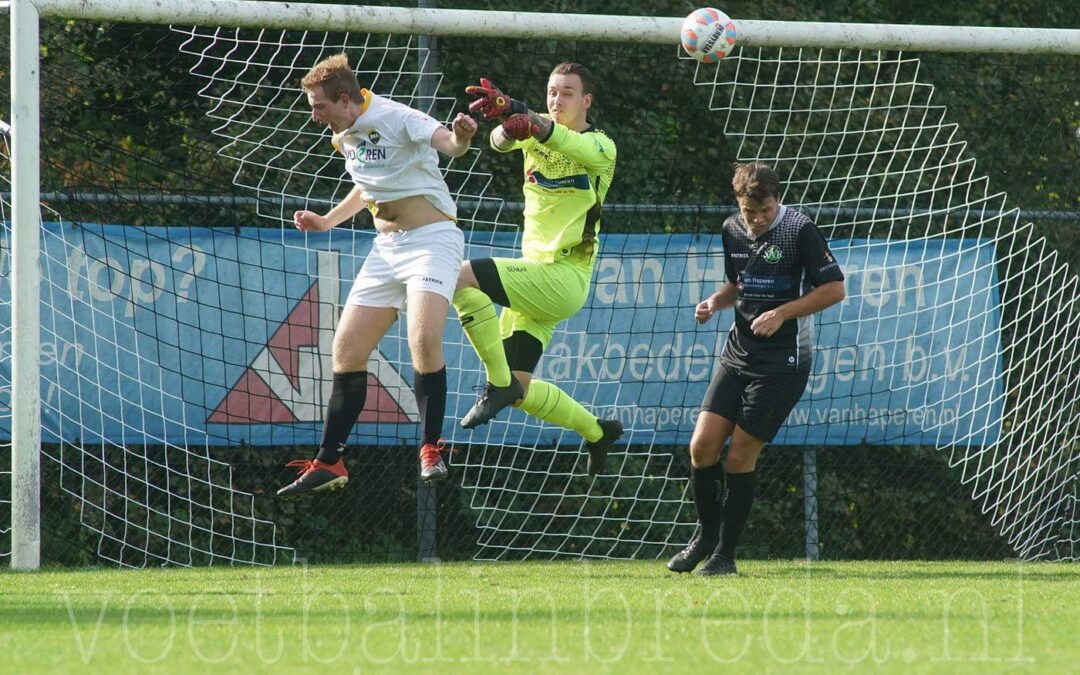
{"x":337,"y":138}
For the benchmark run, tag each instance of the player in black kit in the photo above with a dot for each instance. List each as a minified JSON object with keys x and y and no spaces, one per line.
{"x":780,"y":272}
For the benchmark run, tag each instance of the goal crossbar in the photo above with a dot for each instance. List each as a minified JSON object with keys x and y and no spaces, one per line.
{"x":559,"y":26}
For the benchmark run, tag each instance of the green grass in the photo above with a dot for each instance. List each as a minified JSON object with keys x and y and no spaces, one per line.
{"x":615,"y":617}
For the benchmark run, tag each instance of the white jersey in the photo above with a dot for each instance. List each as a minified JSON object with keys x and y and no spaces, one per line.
{"x":388,"y":153}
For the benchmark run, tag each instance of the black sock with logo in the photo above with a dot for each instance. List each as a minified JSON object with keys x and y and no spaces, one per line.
{"x":708,"y":495}
{"x":347,"y":398}
{"x":740,"y":497}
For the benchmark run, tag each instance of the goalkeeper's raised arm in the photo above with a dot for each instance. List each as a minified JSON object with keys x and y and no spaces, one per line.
{"x":519,"y":123}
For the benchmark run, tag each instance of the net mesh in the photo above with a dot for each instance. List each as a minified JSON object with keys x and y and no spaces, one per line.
{"x":950,"y":361}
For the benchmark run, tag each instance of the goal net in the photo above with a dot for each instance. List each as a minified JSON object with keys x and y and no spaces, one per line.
{"x":186,"y":325}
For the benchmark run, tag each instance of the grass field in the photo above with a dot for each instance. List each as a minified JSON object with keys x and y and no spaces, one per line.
{"x":617,"y":617}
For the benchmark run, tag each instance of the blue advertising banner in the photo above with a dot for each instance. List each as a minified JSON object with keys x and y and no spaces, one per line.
{"x":223,"y":336}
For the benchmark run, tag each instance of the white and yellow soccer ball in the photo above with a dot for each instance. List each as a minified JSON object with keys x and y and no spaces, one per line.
{"x":708,"y":35}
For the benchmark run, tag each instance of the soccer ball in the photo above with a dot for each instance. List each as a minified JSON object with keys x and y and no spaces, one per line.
{"x":708,"y":35}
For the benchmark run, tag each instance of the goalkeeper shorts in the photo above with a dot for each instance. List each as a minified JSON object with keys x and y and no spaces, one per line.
{"x":540,"y":295}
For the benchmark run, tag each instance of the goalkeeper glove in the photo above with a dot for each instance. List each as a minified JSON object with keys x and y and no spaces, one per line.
{"x":520,"y":127}
{"x":491,"y":102}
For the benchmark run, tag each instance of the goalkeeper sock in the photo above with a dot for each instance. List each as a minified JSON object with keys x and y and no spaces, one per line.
{"x":740,"y":498}
{"x":545,"y":401}
{"x":347,"y":397}
{"x":708,"y":496}
{"x":481,"y":325}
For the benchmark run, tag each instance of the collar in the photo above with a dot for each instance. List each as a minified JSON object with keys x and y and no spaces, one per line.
{"x":338,"y":137}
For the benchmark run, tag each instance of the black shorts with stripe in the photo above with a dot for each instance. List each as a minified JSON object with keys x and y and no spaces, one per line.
{"x":759,"y":404}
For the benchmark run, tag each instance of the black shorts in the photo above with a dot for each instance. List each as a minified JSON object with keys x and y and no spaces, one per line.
{"x":757,"y":404}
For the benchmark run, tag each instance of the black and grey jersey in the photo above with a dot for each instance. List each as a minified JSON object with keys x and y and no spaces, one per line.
{"x":783,"y":264}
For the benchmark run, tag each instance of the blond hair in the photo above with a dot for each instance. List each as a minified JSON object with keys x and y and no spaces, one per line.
{"x":335,"y":77}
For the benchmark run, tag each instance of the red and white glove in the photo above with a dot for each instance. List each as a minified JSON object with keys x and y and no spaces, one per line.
{"x":520,"y":127}
{"x":491,"y":102}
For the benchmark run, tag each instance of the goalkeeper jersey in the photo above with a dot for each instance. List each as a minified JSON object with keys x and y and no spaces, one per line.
{"x":566,"y":179}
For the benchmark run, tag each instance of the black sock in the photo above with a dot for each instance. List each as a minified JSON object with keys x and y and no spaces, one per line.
{"x":430,"y":389}
{"x":346,"y":403}
{"x":740,"y":497}
{"x":707,"y":494}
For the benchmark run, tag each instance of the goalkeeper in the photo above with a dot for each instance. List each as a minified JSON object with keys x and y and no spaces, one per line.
{"x":569,"y":165}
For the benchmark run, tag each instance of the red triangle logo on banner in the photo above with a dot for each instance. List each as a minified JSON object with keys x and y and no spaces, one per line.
{"x":276,"y":389}
{"x":301,"y":329}
{"x":250,"y":401}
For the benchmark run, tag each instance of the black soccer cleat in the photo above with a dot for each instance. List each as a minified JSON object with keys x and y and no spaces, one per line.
{"x":613,"y":430}
{"x":491,"y":401}
{"x":687,"y":559}
{"x":717,"y":566}
{"x":315,"y":476}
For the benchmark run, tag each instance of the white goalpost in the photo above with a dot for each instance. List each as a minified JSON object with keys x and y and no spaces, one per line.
{"x":945,"y":341}
{"x":25,"y":285}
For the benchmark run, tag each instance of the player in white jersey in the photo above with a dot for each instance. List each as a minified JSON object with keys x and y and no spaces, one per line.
{"x":390,"y":153}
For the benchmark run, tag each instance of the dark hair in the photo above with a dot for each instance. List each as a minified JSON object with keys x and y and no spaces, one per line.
{"x":335,"y":77}
{"x":588,"y":82}
{"x":756,"y":181}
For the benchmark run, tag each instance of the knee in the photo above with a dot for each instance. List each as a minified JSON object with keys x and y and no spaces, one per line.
{"x":348,"y":358}
{"x":704,"y":452}
{"x":742,"y":457}
{"x":426,"y":352}
{"x":466,"y":278}
{"x":342,"y":347}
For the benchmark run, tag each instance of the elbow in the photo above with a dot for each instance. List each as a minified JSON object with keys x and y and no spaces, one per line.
{"x":840,"y":293}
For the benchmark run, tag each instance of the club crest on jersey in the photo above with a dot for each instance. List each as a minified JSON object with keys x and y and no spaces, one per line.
{"x":773,"y":254}
{"x":374,"y":136}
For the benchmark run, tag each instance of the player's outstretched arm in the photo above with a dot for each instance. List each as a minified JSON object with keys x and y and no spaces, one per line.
{"x":456,"y":142}
{"x":309,"y":221}
{"x":595,"y":151}
{"x":519,"y":123}
{"x":521,"y":127}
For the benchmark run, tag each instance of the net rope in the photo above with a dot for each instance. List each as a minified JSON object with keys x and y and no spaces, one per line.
{"x":950,"y":336}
